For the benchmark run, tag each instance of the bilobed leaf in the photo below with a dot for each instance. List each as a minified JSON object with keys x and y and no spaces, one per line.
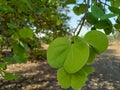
{"x":76,"y":10}
{"x":92,"y":55}
{"x":97,"y":11}
{"x":79,"y":9}
{"x":26,"y":33}
{"x":91,"y":18}
{"x":57,"y":52}
{"x":78,"y":80}
{"x":97,"y":40}
{"x":77,"y":57}
{"x":64,"y":78}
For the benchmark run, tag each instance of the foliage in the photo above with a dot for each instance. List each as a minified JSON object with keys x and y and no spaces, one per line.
{"x":73,"y":56}
{"x":23,"y":21}
{"x":21,"y":24}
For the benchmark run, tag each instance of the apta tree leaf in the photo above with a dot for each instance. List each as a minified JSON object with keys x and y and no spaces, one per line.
{"x":57,"y":52}
{"x":78,"y":80}
{"x":97,"y":40}
{"x":64,"y":78}
{"x":77,"y":56}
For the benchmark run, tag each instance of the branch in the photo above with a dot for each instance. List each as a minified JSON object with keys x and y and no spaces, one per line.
{"x":83,"y":19}
{"x":104,"y":3}
{"x":77,"y":26}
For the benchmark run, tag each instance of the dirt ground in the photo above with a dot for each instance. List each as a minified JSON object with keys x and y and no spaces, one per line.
{"x":39,"y":76}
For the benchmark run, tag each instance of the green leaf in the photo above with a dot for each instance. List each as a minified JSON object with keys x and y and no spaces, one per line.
{"x":40,"y":10}
{"x":6,"y":8}
{"x":11,"y":25}
{"x":1,"y":74}
{"x":88,"y":70}
{"x":57,"y":52}
{"x":93,"y":28}
{"x":115,"y":3}
{"x":77,"y":56}
{"x":93,"y":1}
{"x":9,"y":59}
{"x":31,"y":19}
{"x":97,"y":11}
{"x":53,"y":1}
{"x":18,"y":49}
{"x":92,"y":55}
{"x":26,"y":33}
{"x":1,"y":38}
{"x":10,"y":32}
{"x":102,"y":24}
{"x":1,"y":55}
{"x":64,"y":78}
{"x":117,"y":26}
{"x":70,"y":1}
{"x":20,"y":58}
{"x":59,"y":21}
{"x":79,"y":9}
{"x":97,"y":40}
{"x":27,"y":3}
{"x":78,"y":80}
{"x":118,"y":19}
{"x":114,"y":10}
{"x":108,"y":30}
{"x":2,"y":65}
{"x":91,"y":18}
{"x":106,"y":16}
{"x":10,"y":76}
{"x":20,"y":54}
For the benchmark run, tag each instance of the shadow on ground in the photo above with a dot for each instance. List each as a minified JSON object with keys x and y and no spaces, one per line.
{"x":107,"y":73}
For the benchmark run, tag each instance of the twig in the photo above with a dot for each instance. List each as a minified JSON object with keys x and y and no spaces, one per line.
{"x":77,"y":26}
{"x":103,"y":3}
{"x":83,"y":19}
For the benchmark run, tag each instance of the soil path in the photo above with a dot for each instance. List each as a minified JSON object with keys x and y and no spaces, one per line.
{"x":39,"y":76}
